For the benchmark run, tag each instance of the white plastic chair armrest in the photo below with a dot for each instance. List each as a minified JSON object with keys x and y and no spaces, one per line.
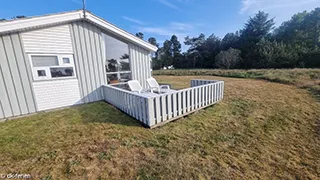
{"x":146,"y":90}
{"x":165,"y":87}
{"x":137,"y":91}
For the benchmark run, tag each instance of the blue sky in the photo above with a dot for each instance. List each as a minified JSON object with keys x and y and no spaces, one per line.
{"x":162,"y":18}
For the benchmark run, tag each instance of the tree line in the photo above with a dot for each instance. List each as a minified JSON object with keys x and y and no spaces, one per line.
{"x":294,"y":44}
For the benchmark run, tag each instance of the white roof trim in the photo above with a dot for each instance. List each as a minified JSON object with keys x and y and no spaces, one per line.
{"x":40,"y":21}
{"x":28,"y":23}
{"x":110,"y":27}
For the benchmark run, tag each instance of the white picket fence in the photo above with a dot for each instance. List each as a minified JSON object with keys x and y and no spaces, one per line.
{"x":160,"y":109}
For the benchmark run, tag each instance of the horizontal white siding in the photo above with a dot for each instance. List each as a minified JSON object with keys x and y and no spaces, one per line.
{"x":55,"y":94}
{"x":49,"y":40}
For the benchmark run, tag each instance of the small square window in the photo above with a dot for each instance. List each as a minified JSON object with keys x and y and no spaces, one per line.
{"x":41,"y":73}
{"x":66,"y":60}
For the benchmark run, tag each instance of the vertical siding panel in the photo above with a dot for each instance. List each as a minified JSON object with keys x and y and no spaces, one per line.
{"x":84,"y":62}
{"x":100,"y":50}
{"x":140,"y":64}
{"x":138,"y":67}
{"x":139,"y":70}
{"x":134,"y":60}
{"x":77,"y":64}
{"x":1,"y":110}
{"x":80,"y":59}
{"x":132,"y":64}
{"x":17,"y":82}
{"x":4,"y":96}
{"x":103,"y":57}
{"x":149,"y":65}
{"x":143,"y":65}
{"x":86,"y":59}
{"x":28,"y":86}
{"x":25,"y":83}
{"x":9,"y":83}
{"x":95,"y":62}
{"x":91,"y":62}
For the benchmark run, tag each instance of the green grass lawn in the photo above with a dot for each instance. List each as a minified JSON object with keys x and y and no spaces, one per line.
{"x":261,"y":130}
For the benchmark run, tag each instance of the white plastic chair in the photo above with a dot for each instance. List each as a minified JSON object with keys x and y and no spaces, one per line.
{"x":135,"y":86}
{"x":154,"y":86}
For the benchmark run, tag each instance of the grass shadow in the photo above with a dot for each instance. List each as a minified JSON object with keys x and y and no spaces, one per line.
{"x":102,"y":112}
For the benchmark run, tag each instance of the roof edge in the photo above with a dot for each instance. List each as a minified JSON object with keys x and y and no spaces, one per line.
{"x":52,"y":19}
{"x":122,"y":33}
{"x":38,"y":21}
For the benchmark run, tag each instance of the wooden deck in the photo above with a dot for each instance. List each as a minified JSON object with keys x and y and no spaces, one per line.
{"x":157,"y":109}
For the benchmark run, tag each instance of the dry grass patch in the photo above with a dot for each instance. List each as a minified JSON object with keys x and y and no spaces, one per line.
{"x":260,"y":130}
{"x":302,"y":78}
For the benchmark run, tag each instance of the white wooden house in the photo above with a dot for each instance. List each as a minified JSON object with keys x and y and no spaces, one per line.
{"x":63,"y":59}
{"x":72,"y":58}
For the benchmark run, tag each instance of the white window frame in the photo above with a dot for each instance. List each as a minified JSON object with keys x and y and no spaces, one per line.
{"x":47,"y":68}
{"x":105,"y":57}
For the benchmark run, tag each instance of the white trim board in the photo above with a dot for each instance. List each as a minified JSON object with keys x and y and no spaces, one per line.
{"x":54,"y":19}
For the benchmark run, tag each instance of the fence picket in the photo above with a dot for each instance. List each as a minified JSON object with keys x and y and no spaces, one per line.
{"x":203,"y":97}
{"x":196,"y":97}
{"x":158,"y":118}
{"x":192,"y":99}
{"x":164,"y":108}
{"x":179,"y":103}
{"x":188,"y":100}
{"x":174,"y":101}
{"x":184,"y":102}
{"x":170,"y":112}
{"x":150,"y":116}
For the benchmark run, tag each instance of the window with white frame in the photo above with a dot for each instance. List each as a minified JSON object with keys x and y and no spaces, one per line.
{"x":117,"y":60}
{"x":50,"y":66}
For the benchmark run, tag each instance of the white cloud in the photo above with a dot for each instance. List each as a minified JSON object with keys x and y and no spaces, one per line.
{"x":281,"y":9}
{"x":181,"y":26}
{"x":133,"y":20}
{"x":168,"y":4}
